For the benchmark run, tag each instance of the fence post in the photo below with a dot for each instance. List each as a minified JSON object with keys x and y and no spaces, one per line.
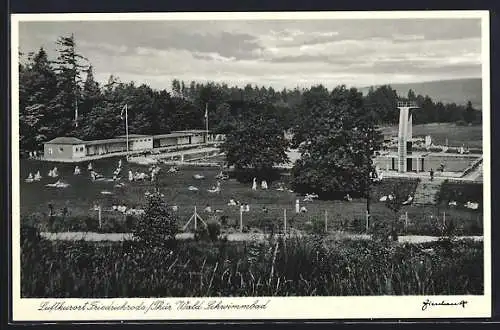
{"x":326,"y":221}
{"x":444,"y":219}
{"x":297,"y":206}
{"x":195,"y":219}
{"x":241,"y":219}
{"x":367,"y":221}
{"x":99,"y":214}
{"x":284,"y":224}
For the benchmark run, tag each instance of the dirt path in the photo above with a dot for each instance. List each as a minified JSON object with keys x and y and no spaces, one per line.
{"x":117,"y":237}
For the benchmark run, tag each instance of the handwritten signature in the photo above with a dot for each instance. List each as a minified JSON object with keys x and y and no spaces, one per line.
{"x":428,"y":303}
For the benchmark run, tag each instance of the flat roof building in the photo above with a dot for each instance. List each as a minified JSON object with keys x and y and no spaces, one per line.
{"x":172,"y":139}
{"x":64,"y":148}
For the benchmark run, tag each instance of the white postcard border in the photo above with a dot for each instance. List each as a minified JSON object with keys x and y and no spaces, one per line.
{"x":401,"y":307}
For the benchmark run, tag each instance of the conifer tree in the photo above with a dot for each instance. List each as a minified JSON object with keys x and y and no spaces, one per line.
{"x":69,"y":67}
{"x":37,"y":82}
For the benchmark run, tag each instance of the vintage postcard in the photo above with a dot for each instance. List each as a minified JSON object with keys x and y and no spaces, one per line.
{"x":251,"y":166}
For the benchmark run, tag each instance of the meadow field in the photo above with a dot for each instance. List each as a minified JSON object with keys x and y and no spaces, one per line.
{"x":317,"y":264}
{"x":82,"y":194}
{"x":471,"y":136}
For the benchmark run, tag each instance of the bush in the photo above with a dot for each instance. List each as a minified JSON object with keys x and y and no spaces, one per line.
{"x":358,"y":225}
{"x":201,"y":233}
{"x":224,"y":220}
{"x":475,"y":229}
{"x":158,"y":225}
{"x":381,"y":230}
{"x":213,"y":229}
{"x":210,"y":232}
{"x":30,"y":233}
{"x":267,"y":224}
{"x":316,"y":227}
{"x":461,"y":123}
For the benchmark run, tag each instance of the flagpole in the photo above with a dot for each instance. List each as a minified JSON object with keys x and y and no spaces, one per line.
{"x":206,"y":121}
{"x":76,"y":105}
{"x":126,"y":126}
{"x":76,"y":112}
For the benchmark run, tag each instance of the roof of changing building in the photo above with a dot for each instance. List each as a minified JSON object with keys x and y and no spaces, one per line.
{"x":107,"y":141}
{"x":194,"y":131}
{"x":172,"y":135}
{"x":133,"y":136}
{"x":119,"y":139}
{"x":66,"y":140}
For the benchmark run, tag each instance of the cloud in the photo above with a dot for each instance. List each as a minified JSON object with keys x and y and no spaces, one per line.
{"x":281,"y":53}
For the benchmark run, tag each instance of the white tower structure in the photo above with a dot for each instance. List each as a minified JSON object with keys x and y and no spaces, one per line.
{"x":405,"y":132}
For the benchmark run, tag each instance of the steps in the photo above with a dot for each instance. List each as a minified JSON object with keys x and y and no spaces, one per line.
{"x":476,"y":174}
{"x":426,"y":192}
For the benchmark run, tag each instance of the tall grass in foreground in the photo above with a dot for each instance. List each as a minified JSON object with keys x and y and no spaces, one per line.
{"x":295,"y":267}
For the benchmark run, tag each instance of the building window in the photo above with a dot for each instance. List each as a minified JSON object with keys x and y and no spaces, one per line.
{"x":61,"y":149}
{"x":50,"y":151}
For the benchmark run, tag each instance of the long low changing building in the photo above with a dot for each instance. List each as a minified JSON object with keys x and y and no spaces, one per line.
{"x":74,"y":149}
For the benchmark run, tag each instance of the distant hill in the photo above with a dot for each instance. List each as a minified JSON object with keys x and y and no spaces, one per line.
{"x":447,"y":91}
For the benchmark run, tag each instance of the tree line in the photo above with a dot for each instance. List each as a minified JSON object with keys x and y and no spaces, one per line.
{"x":51,"y":89}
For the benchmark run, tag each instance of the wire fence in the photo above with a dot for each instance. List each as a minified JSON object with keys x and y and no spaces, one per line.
{"x":425,"y":220}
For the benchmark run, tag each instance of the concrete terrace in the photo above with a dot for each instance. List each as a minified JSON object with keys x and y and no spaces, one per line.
{"x":153,"y":158}
{"x":438,"y":176}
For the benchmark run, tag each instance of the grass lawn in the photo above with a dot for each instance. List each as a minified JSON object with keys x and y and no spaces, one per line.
{"x":82,"y":193}
{"x":471,"y":136}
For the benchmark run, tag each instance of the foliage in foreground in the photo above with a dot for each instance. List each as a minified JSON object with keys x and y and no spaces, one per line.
{"x":158,"y":225}
{"x":297,"y":267}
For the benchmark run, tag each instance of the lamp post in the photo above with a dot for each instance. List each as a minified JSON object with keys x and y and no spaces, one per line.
{"x":368,"y":181}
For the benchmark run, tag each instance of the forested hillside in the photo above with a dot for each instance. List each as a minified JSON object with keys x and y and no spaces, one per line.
{"x":458,"y":91}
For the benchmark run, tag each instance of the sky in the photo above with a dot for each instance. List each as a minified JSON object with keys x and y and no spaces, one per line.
{"x":277,"y":53}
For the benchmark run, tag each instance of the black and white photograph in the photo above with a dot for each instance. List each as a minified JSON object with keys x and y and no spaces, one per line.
{"x":251,"y":165}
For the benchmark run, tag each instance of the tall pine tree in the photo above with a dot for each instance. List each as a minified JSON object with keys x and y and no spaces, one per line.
{"x":69,"y":69}
{"x":37,"y":88}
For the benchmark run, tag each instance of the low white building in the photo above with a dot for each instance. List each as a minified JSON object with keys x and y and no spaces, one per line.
{"x":139,"y":142}
{"x":64,"y":148}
